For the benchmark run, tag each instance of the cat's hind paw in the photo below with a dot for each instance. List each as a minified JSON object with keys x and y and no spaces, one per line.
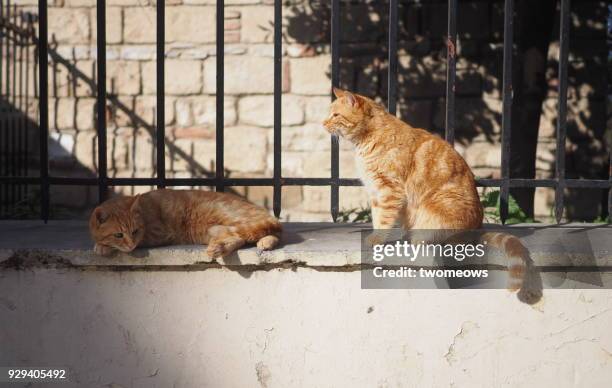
{"x":267,"y":242}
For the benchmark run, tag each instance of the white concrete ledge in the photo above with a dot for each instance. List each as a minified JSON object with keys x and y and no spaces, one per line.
{"x":67,"y":243}
{"x":298,"y":316}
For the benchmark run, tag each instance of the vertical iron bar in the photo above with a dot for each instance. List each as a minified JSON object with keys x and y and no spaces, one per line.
{"x":278,"y":18}
{"x":7,"y":69}
{"x":101,"y":100}
{"x":3,"y":110}
{"x":36,"y":59}
{"x":335,"y":149}
{"x":43,"y":108}
{"x":609,"y":91}
{"x":13,"y":102}
{"x":562,"y":107}
{"x":7,"y":18}
{"x":220,"y":163}
{"x":507,"y":108}
{"x":14,"y":96}
{"x":451,"y":64}
{"x":392,"y":76}
{"x":9,"y":110}
{"x":161,"y":120}
{"x":26,"y":156}
{"x":1,"y":42}
{"x":7,"y":85}
{"x":22,"y":114}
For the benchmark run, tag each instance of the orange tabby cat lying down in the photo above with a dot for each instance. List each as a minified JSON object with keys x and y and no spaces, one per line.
{"x":414,"y":179}
{"x":165,"y":217}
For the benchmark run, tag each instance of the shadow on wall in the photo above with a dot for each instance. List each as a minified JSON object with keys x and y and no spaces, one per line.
{"x":422,"y":76}
{"x":114,"y":109}
{"x":18,"y":157}
{"x":422,"y":59}
{"x":21,"y":157}
{"x":589,"y":137}
{"x":421,"y":81}
{"x":19,"y":147}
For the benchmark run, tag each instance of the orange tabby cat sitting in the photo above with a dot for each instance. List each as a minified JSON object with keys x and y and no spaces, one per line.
{"x":414,"y":179}
{"x":165,"y":217}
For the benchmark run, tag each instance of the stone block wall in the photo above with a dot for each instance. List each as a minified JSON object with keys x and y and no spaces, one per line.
{"x":248,"y":105}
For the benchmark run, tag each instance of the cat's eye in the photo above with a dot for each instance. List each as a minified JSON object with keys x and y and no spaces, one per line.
{"x":335,"y":114}
{"x":134,"y":232}
{"x":118,"y":235}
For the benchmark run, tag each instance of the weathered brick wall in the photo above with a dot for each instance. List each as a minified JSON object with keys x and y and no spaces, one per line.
{"x":190,"y":91}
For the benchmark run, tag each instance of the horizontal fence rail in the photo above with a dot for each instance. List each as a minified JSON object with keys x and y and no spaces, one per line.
{"x":220,"y":181}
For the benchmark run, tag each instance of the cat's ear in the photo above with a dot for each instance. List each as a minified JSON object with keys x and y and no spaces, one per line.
{"x":338,"y":92}
{"x":352,"y":99}
{"x":100,"y":215}
{"x":134,"y":207}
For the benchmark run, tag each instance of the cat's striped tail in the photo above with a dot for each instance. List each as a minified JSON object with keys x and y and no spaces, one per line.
{"x":518,"y":259}
{"x":523,"y":276}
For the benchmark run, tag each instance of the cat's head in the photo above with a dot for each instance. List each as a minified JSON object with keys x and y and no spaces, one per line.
{"x":348,"y":115}
{"x":118,"y":223}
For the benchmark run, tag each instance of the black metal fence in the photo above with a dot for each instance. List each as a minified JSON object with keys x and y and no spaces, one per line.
{"x":17,"y":71}
{"x":220,"y":181}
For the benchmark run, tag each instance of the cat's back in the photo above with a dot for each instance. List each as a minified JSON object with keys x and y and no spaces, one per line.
{"x":190,"y":201}
{"x":433,"y":150}
{"x":418,"y":155}
{"x":163,"y":198}
{"x":176,"y":202}
{"x":169,"y":196}
{"x":212,"y":198}
{"x":424,"y":147}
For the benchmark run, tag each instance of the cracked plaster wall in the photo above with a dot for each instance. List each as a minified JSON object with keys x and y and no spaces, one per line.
{"x":296,"y":328}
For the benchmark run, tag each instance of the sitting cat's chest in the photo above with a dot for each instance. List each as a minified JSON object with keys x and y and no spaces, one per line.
{"x":366,"y":174}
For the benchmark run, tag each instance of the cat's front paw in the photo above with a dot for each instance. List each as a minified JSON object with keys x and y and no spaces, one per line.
{"x":378,"y":237}
{"x":215,"y":250}
{"x":103,"y":250}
